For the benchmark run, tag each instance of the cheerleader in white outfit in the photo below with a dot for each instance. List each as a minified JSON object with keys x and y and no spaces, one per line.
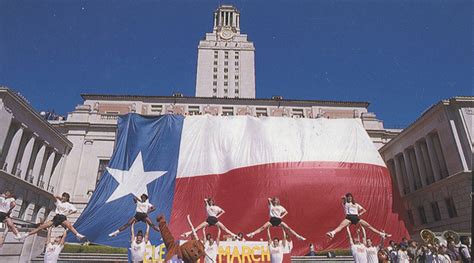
{"x":54,"y":247}
{"x":277,"y":212}
{"x":213,"y":214}
{"x":141,"y":215}
{"x":7,"y":203}
{"x":211,"y":246}
{"x":353,"y":212}
{"x":277,"y":247}
{"x":358,"y":248}
{"x":139,"y":243}
{"x":63,"y":210}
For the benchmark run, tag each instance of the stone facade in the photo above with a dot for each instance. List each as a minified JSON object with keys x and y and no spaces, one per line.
{"x":226,"y":59}
{"x":431,"y":166}
{"x":32,"y":156}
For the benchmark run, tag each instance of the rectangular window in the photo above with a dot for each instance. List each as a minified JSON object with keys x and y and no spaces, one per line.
{"x":261,"y":112}
{"x":214,"y":90}
{"x":226,"y":76}
{"x":236,"y":91}
{"x":421,"y":211}
{"x":215,"y":56}
{"x":436,"y":213}
{"x":226,"y":70}
{"x":226,"y":83}
{"x":452,"y":212}
{"x":410,"y":217}
{"x":193,"y":110}
{"x":214,"y":76}
{"x":236,"y":76}
{"x":215,"y":63}
{"x":236,"y":63}
{"x":214,"y":83}
{"x":226,"y":63}
{"x":215,"y":69}
{"x":226,"y":90}
{"x":215,"y":52}
{"x":226,"y":53}
{"x":156,"y":108}
{"x":226,"y":56}
{"x":236,"y":84}
{"x":236,"y":56}
{"x":101,"y":169}
{"x":227,"y":111}
{"x":236,"y":70}
{"x":297,"y":113}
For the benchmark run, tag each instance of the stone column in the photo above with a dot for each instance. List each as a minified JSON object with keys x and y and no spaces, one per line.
{"x":25,"y":159}
{"x":38,"y":163}
{"x":434,"y":159}
{"x":54,"y":179}
{"x":48,"y":169}
{"x":13,"y":151}
{"x":421,"y":165}
{"x":409,"y":170}
{"x":398,"y":176}
{"x":427,"y":162}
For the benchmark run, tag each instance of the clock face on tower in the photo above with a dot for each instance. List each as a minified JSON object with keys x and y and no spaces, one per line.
{"x":226,"y":33}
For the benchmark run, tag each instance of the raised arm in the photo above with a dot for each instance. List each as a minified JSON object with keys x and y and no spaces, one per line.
{"x":206,"y":201}
{"x":132,"y":228}
{"x":269,"y":236}
{"x":364,"y":236}
{"x":63,"y":238}
{"x":147,"y":233}
{"x":135,"y":199}
{"x":381,"y":242}
{"x":349,"y":235}
{"x":48,"y":237}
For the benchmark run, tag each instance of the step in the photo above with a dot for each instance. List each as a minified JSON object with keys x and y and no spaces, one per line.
{"x":87,"y":257}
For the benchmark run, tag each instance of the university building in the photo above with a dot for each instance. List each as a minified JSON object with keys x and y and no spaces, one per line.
{"x":225,"y":86}
{"x":430,"y":162}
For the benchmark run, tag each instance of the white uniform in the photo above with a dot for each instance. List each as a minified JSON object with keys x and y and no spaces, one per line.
{"x":211,"y":252}
{"x":137,"y":251}
{"x":52,"y":252}
{"x":143,"y":207}
{"x":352,"y":209}
{"x":276,"y":210}
{"x":5,"y":204}
{"x":444,"y":258}
{"x":402,"y":257}
{"x":213,"y":210}
{"x":359,"y":252}
{"x":276,"y":253}
{"x":372,"y":256}
{"x":64,"y":208}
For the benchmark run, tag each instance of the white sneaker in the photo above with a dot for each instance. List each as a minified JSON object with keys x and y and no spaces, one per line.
{"x":114,"y":233}
{"x":80,"y":237}
{"x":19,"y":236}
{"x":250,"y":235}
{"x":330,"y":234}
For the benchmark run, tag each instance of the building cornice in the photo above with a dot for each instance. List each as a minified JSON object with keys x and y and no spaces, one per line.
{"x":432,"y":109}
{"x":211,"y":100}
{"x":35,"y":114}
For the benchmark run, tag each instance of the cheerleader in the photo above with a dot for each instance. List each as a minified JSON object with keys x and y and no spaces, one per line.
{"x":358,"y":248}
{"x":213,"y":214}
{"x":63,"y":210}
{"x":211,"y":246}
{"x":353,"y":212}
{"x":277,"y":248}
{"x":143,"y":208}
{"x":139,"y":243}
{"x":7,"y":203}
{"x":54,"y":247}
{"x":277,"y":212}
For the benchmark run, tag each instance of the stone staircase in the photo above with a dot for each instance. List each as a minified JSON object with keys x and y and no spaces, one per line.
{"x":87,"y":257}
{"x":13,"y":250}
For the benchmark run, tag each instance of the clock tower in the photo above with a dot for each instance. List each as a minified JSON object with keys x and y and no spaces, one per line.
{"x":226,"y":59}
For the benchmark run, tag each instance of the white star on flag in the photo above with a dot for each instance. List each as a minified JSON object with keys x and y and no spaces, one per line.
{"x":133,"y":181}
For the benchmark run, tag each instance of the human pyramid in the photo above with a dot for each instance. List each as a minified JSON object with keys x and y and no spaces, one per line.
{"x":277,"y":212}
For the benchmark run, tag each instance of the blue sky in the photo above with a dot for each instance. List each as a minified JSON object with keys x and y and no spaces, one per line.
{"x":401,"y":56}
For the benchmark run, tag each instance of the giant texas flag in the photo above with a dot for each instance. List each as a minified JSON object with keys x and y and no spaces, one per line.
{"x":240,"y":161}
